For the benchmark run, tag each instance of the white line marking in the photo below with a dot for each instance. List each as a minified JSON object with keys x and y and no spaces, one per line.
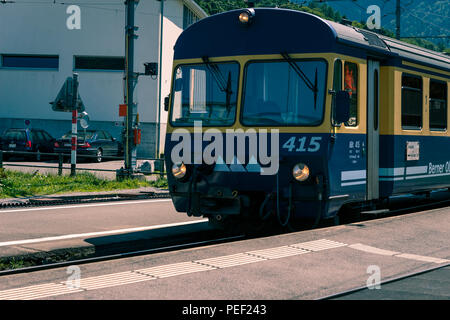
{"x":352,"y":183}
{"x":101,"y":233}
{"x":428,"y":176}
{"x":114,"y":279}
{"x":37,"y":291}
{"x":277,"y":253}
{"x":174,"y":269}
{"x":421,"y":258}
{"x":392,"y":179}
{"x":353,"y":175}
{"x":363,"y":247}
{"x":318,"y":245}
{"x":416,"y":170}
{"x":230,"y":261}
{"x":86,"y":205}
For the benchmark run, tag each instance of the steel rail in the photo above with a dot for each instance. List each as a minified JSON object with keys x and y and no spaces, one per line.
{"x":56,"y":167}
{"x":67,"y":155}
{"x":40,"y":201}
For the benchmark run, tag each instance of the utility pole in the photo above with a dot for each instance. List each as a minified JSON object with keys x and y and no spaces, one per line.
{"x":398,"y":15}
{"x":131,"y":120}
{"x":161,"y":33}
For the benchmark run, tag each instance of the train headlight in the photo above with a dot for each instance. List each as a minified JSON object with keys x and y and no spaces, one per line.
{"x":300,"y":172}
{"x":246,"y":16}
{"x":179,"y":170}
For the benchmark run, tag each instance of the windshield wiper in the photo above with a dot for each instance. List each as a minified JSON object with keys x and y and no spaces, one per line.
{"x":224,"y":86}
{"x":303,"y":76}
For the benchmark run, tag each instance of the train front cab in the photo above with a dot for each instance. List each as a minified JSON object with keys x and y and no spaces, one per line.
{"x":336,"y":153}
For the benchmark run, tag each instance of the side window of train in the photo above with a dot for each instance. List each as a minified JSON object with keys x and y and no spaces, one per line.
{"x":438,"y":105}
{"x":351,"y":86}
{"x":337,"y":79}
{"x":412,"y":100}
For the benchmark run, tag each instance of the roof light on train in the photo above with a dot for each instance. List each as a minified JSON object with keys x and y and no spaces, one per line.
{"x":300,"y":172}
{"x":246,"y":16}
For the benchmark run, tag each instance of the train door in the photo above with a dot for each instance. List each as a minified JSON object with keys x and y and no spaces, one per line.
{"x":373,"y":135}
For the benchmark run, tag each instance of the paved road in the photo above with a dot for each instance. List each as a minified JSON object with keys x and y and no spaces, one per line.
{"x":304,"y":265}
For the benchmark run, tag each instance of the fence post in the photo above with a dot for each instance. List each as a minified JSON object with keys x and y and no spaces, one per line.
{"x":1,"y":159}
{"x":60,"y":164}
{"x":161,"y":169}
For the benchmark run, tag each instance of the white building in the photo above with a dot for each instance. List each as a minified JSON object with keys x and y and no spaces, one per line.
{"x":43,"y":43}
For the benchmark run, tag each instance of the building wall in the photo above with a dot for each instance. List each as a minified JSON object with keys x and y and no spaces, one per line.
{"x":40,"y":29}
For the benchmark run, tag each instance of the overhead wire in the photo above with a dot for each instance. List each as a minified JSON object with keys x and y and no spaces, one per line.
{"x":90,"y":5}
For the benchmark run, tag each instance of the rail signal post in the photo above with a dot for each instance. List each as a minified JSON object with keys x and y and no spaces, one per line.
{"x":130,"y":121}
{"x":132,"y":136}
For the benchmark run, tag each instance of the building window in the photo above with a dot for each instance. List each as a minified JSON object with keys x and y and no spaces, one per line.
{"x":411,"y":102}
{"x":29,"y":61}
{"x":438,"y":105}
{"x":99,"y":63}
{"x":189,"y":17}
{"x":351,"y":86}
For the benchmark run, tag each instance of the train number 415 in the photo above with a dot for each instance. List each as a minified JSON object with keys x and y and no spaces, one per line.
{"x":302,"y":144}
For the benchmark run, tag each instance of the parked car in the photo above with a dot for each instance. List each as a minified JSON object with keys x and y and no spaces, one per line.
{"x":97,"y":143}
{"x":27,"y":140}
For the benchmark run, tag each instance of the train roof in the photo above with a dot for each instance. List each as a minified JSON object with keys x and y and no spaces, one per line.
{"x":353,"y":36}
{"x":276,"y":30}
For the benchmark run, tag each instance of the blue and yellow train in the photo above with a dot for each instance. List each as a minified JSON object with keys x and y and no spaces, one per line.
{"x":279,"y":113}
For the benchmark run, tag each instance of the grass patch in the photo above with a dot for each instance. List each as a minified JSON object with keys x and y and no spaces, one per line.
{"x":43,"y":258}
{"x":160,"y":183}
{"x":15,"y":184}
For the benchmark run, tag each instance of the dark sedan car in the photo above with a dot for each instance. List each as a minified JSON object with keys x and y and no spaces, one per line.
{"x":27,"y":140}
{"x":97,"y":143}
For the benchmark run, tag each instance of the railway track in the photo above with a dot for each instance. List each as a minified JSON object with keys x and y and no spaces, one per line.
{"x":55,"y":201}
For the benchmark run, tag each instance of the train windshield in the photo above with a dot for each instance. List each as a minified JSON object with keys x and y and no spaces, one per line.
{"x":277,"y":94}
{"x":205,"y":92}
